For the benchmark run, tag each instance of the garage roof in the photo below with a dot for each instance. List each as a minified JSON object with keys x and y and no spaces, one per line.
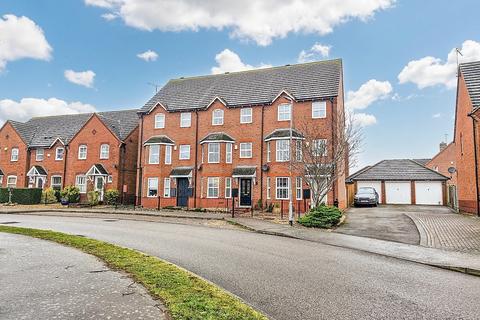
{"x":397,"y":170}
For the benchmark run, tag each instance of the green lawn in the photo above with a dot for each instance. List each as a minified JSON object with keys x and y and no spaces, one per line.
{"x":185,"y":295}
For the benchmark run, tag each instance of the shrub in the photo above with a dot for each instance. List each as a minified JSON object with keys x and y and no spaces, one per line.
{"x":22,"y":195}
{"x":111,"y":196}
{"x":321,"y":217}
{"x":93,"y":197}
{"x":49,"y":196}
{"x":70,"y":193}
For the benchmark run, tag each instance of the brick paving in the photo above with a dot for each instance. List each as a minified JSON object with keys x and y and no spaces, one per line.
{"x":448,"y":231}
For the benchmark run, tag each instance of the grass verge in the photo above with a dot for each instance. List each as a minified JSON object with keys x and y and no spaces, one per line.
{"x":185,"y":295}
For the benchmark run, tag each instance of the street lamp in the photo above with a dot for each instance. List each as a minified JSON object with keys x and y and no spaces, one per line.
{"x":290,"y":191}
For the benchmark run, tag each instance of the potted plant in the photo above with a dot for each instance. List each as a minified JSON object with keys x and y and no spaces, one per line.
{"x":276,"y":208}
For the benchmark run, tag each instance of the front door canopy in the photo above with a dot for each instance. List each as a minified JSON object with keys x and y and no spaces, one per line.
{"x":244,"y":172}
{"x":97,"y":170}
{"x":37,"y":171}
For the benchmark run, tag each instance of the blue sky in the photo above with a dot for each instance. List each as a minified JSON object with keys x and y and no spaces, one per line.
{"x":376,"y":39}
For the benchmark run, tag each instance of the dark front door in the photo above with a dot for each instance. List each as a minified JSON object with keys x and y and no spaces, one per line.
{"x":182,"y":192}
{"x":246,"y":192}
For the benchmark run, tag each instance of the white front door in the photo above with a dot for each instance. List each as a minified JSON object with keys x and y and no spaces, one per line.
{"x":377,"y":185}
{"x":428,"y":192}
{"x":99,"y":182}
{"x":398,"y":192}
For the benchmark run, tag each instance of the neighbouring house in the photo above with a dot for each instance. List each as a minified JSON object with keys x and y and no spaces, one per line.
{"x":444,"y":161}
{"x":401,"y":181}
{"x":466,"y":137}
{"x":202,"y":137}
{"x":95,"y":151}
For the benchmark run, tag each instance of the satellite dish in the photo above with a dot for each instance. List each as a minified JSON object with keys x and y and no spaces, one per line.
{"x":452,"y":170}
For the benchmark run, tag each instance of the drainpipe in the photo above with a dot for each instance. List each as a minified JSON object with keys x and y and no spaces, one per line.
{"x":140,"y":164}
{"x":65,"y":157}
{"x":196,"y":162}
{"x":27,"y":167}
{"x":123,"y":154}
{"x":261,"y":156}
{"x":474,"y":121}
{"x":333,"y":146}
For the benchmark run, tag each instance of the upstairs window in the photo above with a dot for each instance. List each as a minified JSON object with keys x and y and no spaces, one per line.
{"x":283,"y":150}
{"x":217,"y":117}
{"x":14,"y":155}
{"x":184,"y":153}
{"x":246,"y":150}
{"x":168,"y":154}
{"x":246,"y":115}
{"x":39,"y":154}
{"x":159,"y":121}
{"x":214,"y":152}
{"x":82,"y":152}
{"x":104,"y":151}
{"x":319,"y":147}
{"x":284,"y":112}
{"x":59,"y":153}
{"x":319,"y":109}
{"x":185,"y":119}
{"x":154,"y":154}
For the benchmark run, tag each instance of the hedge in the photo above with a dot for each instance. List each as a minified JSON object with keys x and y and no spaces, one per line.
{"x":22,"y":195}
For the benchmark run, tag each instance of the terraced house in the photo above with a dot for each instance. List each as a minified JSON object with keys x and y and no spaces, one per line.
{"x":94,"y":151}
{"x":202,"y":137}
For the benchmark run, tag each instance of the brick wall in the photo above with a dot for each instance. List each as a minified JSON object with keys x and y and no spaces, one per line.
{"x":49,"y":163}
{"x":11,"y":139}
{"x":444,"y":160}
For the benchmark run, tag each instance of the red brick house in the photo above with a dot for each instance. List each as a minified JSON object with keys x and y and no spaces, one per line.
{"x":466,"y":137}
{"x":203,"y":136}
{"x":443,"y":161}
{"x":93,"y":151}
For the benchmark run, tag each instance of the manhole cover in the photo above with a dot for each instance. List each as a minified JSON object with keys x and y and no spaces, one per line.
{"x":9,"y":222}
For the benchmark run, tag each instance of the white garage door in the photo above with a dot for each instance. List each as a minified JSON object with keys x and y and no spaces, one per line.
{"x":398,"y":192}
{"x":428,"y":192}
{"x":377,"y":185}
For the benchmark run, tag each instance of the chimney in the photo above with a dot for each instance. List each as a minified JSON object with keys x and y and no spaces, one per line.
{"x":443,"y":145}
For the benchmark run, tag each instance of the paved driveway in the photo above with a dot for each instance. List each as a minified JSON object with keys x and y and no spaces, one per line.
{"x":387,"y":222}
{"x":289,"y":279}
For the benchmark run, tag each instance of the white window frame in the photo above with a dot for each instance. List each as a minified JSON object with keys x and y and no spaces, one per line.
{"x":154,"y":157}
{"x":269,"y":152}
{"x":81,"y":183}
{"x":58,"y":185}
{"x":246,"y":115}
{"x":246,"y":150}
{"x":298,"y":187}
{"x":14,"y":154}
{"x":168,"y":154}
{"x":217,"y":117}
{"x":82,"y":155}
{"x":185,"y":119}
{"x":212,"y":153}
{"x":282,"y":188}
{"x":228,"y":187}
{"x":319,"y":109}
{"x":213,"y":185}
{"x":284,"y":113}
{"x":228,"y":152}
{"x":166,"y":187}
{"x":109,"y":179}
{"x":57,"y":158}
{"x":39,"y":156}
{"x":159,"y":121}
{"x":316,"y":145}
{"x":282,"y":149}
{"x":104,"y":153}
{"x":298,"y":150}
{"x":184,"y":152}
{"x":269,"y":188}
{"x":11,"y":185}
{"x":151,"y":187}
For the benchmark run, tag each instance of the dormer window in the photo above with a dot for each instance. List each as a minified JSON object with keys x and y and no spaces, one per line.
{"x":59,"y":153}
{"x":217,"y":117}
{"x":284,"y":112}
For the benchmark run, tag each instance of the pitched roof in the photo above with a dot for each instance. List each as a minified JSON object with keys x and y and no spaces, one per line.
{"x":471,"y":74}
{"x":217,"y":136}
{"x":97,"y":169}
{"x":44,"y":131}
{"x":423,"y":162}
{"x":283,"y":133}
{"x":244,"y":171}
{"x":307,"y":81}
{"x":181,"y":172}
{"x":159,"y":140}
{"x":397,"y":170}
{"x":37,"y":170}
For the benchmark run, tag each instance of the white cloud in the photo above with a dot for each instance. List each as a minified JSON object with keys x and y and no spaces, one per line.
{"x":316,"y":52}
{"x":32,"y":107}
{"x":82,"y":78}
{"x":109,"y":16}
{"x":229,"y":61}
{"x":364,"y":119}
{"x":430,"y":71}
{"x":368,"y":93}
{"x":21,"y":38}
{"x":148,"y":55}
{"x":260,"y":21}
{"x":436,"y":115}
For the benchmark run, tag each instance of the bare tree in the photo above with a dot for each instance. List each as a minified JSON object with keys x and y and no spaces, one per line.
{"x":321,"y":156}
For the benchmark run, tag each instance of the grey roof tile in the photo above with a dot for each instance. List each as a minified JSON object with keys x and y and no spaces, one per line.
{"x":397,"y":170}
{"x":217,"y":136}
{"x":181,"y":171}
{"x":471,"y":74}
{"x":158,"y":140}
{"x":283,"y":133}
{"x":423,"y":162}
{"x":243,"y":171}
{"x":307,"y":81}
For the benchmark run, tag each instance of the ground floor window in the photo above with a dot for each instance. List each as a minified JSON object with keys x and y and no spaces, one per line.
{"x":11,"y":181}
{"x":282,"y":188}
{"x":81,"y":183}
{"x":152,"y":190}
{"x":228,"y":187}
{"x":298,"y":185}
{"x":213,"y":186}
{"x":166,"y":187}
{"x":56,"y":183}
{"x":268,"y":188}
